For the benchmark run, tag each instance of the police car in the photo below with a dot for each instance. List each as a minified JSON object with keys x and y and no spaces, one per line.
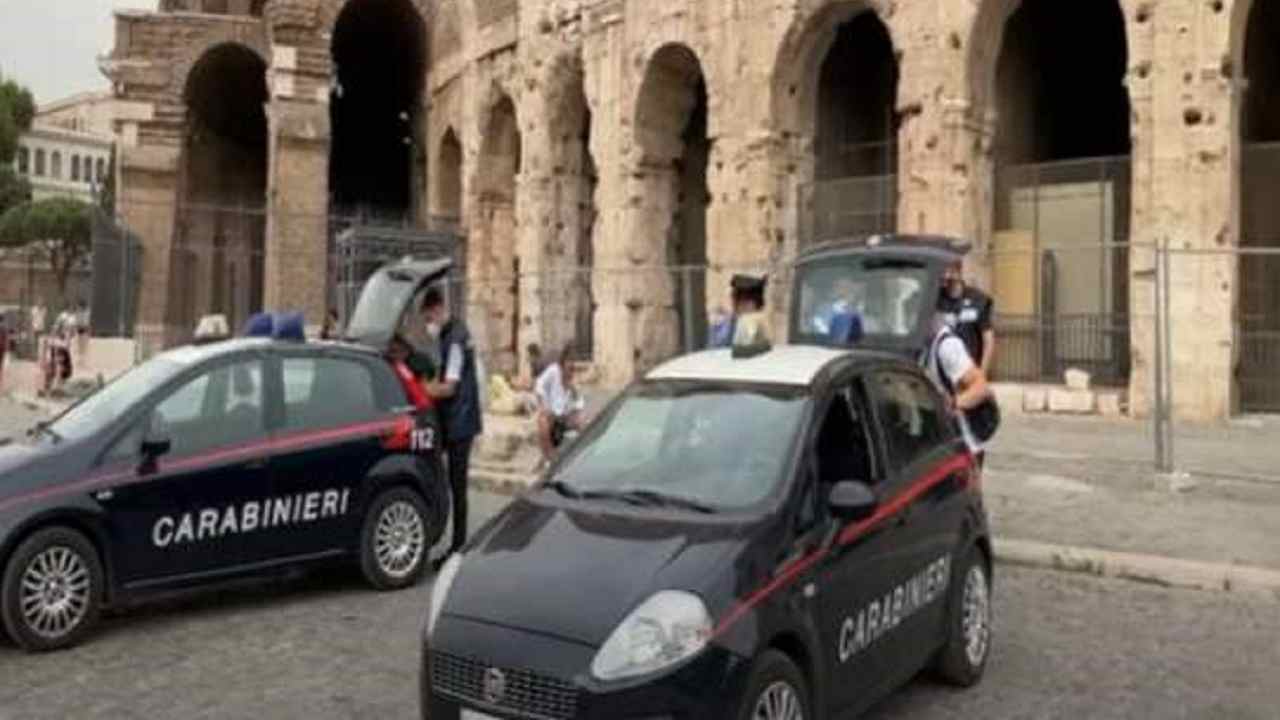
{"x":221,"y":460}
{"x":782,"y":533}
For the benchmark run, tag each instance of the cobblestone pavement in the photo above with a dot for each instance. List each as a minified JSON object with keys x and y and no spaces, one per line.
{"x":1067,"y":647}
{"x":15,"y":417}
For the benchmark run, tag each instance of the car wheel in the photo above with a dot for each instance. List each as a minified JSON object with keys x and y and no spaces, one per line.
{"x":52,"y":590}
{"x":963,"y":659}
{"x":394,"y":542}
{"x":776,"y":690}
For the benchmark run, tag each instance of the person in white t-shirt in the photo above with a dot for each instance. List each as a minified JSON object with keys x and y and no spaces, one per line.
{"x":559,"y":405}
{"x":962,"y":382}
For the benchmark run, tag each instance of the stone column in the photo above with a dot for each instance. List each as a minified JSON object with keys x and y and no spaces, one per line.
{"x":148,"y":185}
{"x":296,"y":263}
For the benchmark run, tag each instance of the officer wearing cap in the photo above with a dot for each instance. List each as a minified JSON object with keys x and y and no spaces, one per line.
{"x":748,"y":298}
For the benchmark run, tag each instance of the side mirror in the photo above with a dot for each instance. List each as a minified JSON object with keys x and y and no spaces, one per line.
{"x":852,"y":501}
{"x":156,"y":441}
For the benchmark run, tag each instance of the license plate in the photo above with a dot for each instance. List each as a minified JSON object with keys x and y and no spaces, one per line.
{"x":466,"y":714}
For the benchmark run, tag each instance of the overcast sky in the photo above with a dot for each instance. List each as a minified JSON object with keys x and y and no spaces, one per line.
{"x":52,"y":45}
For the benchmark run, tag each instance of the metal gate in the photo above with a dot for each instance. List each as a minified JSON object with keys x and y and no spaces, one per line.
{"x":1258,"y":373}
{"x":117,"y":262}
{"x":359,"y":249}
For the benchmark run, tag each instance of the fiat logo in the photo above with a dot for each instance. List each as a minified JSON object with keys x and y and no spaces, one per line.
{"x":495,"y":686}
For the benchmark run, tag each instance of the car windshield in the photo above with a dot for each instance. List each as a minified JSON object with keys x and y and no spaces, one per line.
{"x":886,"y":294}
{"x":95,"y":412}
{"x":713,"y":448}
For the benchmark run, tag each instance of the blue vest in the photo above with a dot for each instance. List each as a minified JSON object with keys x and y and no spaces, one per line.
{"x":461,"y":413}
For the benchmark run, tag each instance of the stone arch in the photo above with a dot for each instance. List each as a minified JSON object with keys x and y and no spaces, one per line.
{"x":834,"y":93}
{"x":448,"y":174}
{"x":221,"y":222}
{"x":1058,"y":137}
{"x":252,"y":38}
{"x":672,"y":119}
{"x":569,"y":250}
{"x":379,"y":53}
{"x":494,"y":263}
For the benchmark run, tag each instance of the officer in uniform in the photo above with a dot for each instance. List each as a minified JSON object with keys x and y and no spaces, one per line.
{"x":458,"y":393}
{"x":968,"y":311}
{"x":748,"y":299}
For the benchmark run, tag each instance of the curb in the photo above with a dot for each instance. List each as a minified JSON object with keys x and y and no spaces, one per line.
{"x":1149,"y":569}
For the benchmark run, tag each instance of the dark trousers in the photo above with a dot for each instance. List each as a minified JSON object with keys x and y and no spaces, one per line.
{"x":459,"y":455}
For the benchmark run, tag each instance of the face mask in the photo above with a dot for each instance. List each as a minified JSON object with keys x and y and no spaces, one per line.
{"x":433,"y":330}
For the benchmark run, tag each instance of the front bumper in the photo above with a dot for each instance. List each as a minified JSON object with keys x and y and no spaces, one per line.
{"x":548,"y":679}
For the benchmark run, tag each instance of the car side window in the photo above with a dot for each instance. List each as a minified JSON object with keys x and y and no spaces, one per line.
{"x":911,"y":416}
{"x":327,"y":392}
{"x":219,"y":408}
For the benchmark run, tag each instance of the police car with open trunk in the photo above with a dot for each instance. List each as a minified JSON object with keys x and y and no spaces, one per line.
{"x":779,"y":533}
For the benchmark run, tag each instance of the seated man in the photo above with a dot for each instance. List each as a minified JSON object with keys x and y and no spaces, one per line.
{"x":559,"y":405}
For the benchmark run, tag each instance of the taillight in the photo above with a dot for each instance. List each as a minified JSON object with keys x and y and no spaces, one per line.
{"x":417,"y":396}
{"x":399,"y":438}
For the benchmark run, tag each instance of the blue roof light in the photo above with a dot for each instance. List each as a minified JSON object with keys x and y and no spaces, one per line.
{"x":289,"y":326}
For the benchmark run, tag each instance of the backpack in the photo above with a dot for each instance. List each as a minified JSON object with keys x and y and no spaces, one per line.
{"x":984,"y":420}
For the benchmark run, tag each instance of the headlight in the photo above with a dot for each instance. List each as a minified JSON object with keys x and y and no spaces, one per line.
{"x":667,"y":628}
{"x":440,"y":591}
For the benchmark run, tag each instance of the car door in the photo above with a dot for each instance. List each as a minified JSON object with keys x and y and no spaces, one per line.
{"x":187,"y":513}
{"x":330,"y":429}
{"x":925,"y":488}
{"x":862,"y":564}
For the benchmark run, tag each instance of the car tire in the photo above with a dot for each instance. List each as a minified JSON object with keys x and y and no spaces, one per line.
{"x":963,"y":659}
{"x":394,"y":542}
{"x":51,"y":593}
{"x":776,"y":690}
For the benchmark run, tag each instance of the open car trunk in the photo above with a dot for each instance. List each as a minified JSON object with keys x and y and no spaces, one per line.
{"x":876,"y":293}
{"x":389,"y":301}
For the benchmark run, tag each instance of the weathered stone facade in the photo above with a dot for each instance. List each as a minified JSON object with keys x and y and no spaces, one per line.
{"x":563,"y":132}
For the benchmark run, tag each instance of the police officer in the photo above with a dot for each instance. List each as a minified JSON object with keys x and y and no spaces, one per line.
{"x":968,"y":311}
{"x":458,"y":393}
{"x":748,"y":298}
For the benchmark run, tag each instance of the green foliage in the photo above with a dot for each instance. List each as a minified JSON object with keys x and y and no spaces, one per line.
{"x":14,"y":189}
{"x":61,"y":229}
{"x":17,"y":112}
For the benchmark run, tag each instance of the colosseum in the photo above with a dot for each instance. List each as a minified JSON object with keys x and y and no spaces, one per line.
{"x":585,"y":147}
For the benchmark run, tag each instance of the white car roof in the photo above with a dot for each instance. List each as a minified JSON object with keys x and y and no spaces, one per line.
{"x":795,"y":365}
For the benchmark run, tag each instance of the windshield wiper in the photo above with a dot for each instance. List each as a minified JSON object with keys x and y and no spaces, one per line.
{"x":653,"y":498}
{"x":564,"y":489}
{"x":42,"y":428}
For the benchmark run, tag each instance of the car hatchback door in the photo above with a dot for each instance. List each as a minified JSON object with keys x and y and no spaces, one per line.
{"x":195,"y":508}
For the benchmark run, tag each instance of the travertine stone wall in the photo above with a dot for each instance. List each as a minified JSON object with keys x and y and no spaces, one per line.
{"x":555,"y":60}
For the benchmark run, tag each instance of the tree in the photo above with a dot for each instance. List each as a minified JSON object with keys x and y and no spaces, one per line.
{"x":17,"y":112}
{"x":59,"y":229}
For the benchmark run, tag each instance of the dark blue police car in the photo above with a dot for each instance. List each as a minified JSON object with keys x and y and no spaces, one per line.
{"x":776,"y":533}
{"x":221,"y":460}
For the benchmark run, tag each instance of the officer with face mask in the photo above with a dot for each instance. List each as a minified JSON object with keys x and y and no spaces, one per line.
{"x":457,"y":391}
{"x":748,"y":299}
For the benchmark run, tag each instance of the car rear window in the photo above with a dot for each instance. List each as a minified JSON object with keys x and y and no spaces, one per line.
{"x":327,"y":392}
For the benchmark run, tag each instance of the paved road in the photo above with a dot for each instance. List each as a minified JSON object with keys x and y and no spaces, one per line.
{"x":1068,"y":647}
{"x":15,"y":418}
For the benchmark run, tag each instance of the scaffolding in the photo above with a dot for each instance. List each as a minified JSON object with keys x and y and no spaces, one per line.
{"x":360,"y":249}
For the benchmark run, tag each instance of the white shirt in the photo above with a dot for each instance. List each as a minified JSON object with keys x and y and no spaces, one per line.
{"x":552,"y":393}
{"x":953,"y":358}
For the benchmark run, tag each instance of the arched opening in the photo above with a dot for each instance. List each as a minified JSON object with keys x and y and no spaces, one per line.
{"x":449,"y":178}
{"x":1259,"y":290}
{"x":493,"y":263}
{"x":569,"y":306}
{"x":672,"y":121}
{"x":221,"y":223}
{"x":379,"y":68}
{"x":1062,"y":193}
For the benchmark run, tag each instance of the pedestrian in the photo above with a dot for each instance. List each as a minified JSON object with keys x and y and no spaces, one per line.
{"x":457,"y":392}
{"x":964,"y":385}
{"x":559,"y":405}
{"x":747,"y":293}
{"x":969,"y":312}
{"x":4,"y":346}
{"x":330,"y":329}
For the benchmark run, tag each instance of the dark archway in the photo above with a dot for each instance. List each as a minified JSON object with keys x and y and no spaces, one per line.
{"x":494,"y":263}
{"x":449,"y":178}
{"x":1062,"y":192}
{"x":379,"y":55}
{"x":221,"y":223}
{"x":1259,"y":291}
{"x":672,"y":122}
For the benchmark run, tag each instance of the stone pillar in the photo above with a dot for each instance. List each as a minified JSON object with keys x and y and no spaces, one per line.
{"x":148,"y":185}
{"x":296,"y":263}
